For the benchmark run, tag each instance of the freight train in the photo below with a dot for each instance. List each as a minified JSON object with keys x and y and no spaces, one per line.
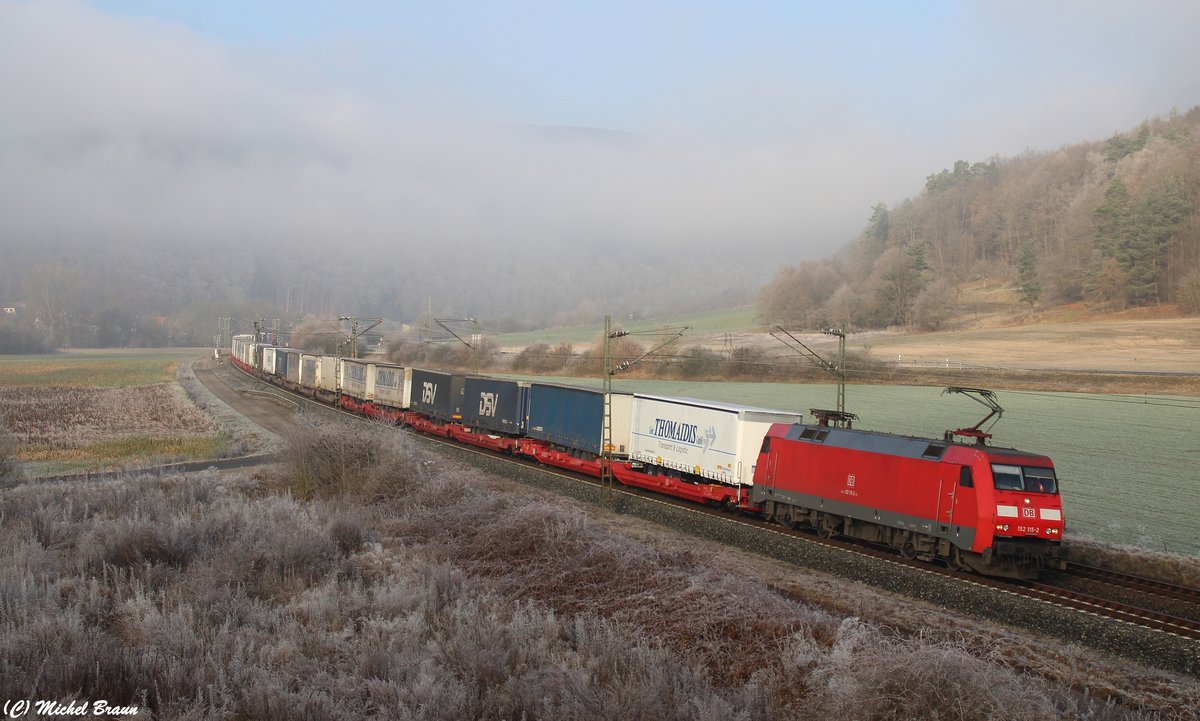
{"x":992,"y":510}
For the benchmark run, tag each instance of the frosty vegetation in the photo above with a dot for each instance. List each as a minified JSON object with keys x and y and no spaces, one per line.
{"x":367,"y":580}
{"x":76,"y":417}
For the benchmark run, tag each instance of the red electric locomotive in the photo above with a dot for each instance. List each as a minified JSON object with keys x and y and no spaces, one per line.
{"x":996,"y":511}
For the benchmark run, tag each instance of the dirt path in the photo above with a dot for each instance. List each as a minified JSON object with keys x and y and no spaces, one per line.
{"x":261,"y":404}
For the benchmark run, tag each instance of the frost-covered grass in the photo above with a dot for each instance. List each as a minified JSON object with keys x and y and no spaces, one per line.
{"x":74,"y":426}
{"x":407,"y":588}
{"x":71,"y":418}
{"x":60,"y":429}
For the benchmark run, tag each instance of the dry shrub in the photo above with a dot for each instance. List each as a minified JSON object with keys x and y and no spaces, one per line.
{"x":739,"y":633}
{"x":273,"y":547}
{"x":867,"y":675}
{"x":201,"y":598}
{"x":132,"y":542}
{"x":419,"y":641}
{"x":358,"y":461}
{"x":348,"y":533}
{"x":536,"y":550}
{"x":10,"y":467}
{"x":1166,"y":567}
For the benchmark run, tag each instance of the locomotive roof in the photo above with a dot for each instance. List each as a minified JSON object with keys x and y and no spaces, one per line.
{"x":890,"y":443}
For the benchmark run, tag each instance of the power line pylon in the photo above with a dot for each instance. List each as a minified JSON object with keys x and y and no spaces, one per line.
{"x":838,"y":417}
{"x":606,"y":448}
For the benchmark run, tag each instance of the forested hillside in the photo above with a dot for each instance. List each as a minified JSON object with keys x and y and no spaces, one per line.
{"x":92,"y":292}
{"x":1113,"y":224}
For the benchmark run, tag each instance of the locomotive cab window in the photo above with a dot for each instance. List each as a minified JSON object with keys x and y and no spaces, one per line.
{"x":766,"y":446}
{"x":1040,"y":480}
{"x":964,"y":477}
{"x":1007,"y":478}
{"x":1029,"y":479}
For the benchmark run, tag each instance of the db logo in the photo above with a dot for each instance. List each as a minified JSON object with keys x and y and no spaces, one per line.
{"x":1029,"y":512}
{"x":850,"y":480}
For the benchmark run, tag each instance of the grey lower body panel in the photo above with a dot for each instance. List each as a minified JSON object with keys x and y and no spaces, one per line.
{"x":962,"y":537}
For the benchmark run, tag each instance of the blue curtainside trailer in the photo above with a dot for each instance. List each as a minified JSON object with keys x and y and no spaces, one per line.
{"x":436,"y":394}
{"x":573,"y":417}
{"x":495,"y":405}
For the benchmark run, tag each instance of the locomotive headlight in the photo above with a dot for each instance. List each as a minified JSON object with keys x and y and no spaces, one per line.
{"x":1001,"y":526}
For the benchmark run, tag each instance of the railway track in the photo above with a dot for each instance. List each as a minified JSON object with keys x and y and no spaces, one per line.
{"x":1104,"y":606}
{"x":1136,"y":583}
{"x":1174,"y":608}
{"x":1148,"y":615}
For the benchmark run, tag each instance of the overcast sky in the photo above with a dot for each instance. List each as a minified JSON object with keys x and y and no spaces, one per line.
{"x":770,"y":127}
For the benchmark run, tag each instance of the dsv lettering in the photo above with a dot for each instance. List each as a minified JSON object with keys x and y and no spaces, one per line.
{"x":488,"y":402}
{"x":428,"y":392}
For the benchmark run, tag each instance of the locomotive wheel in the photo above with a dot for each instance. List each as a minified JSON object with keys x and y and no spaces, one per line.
{"x":954,"y":561}
{"x":908,"y":551}
{"x":788,"y":522}
{"x":827,"y":529}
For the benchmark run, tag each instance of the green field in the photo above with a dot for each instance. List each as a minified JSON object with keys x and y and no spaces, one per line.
{"x":718,"y":321}
{"x":1129,"y":465}
{"x":108,"y":369}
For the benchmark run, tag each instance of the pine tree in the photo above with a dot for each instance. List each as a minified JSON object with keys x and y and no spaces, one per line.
{"x":1113,"y":226}
{"x":1027,"y":274}
{"x":1111,"y":219}
{"x":879,"y":226}
{"x":1137,"y":233}
{"x":1156,"y":217}
{"x":916,"y":251}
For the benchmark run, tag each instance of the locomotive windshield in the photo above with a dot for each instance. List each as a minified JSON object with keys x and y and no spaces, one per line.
{"x":1028,"y":479}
